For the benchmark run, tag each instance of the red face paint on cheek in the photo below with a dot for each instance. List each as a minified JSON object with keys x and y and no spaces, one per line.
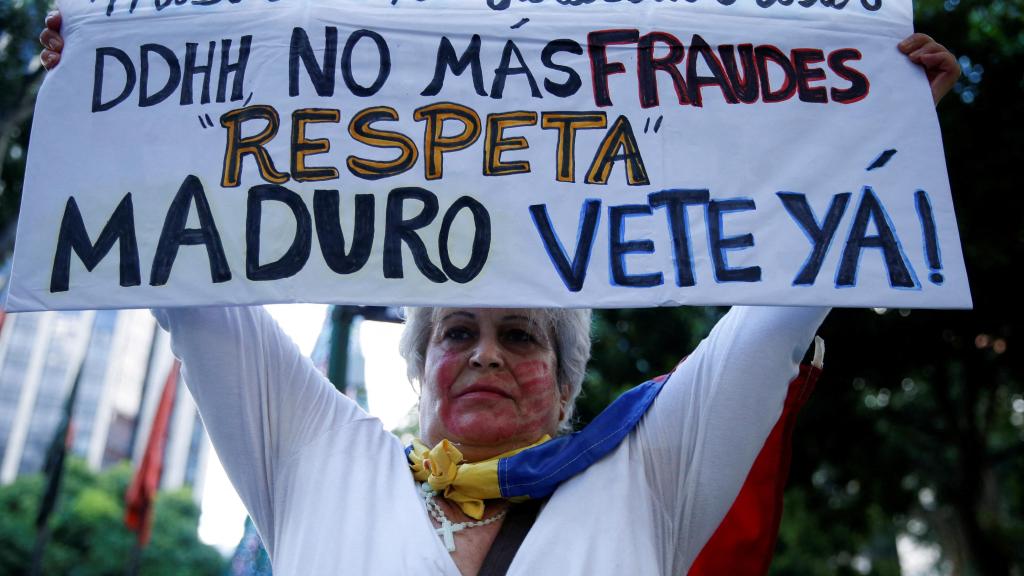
{"x":532,"y":375}
{"x":539,"y":404}
{"x":442,"y":369}
{"x":530,"y":410}
{"x":448,"y":367}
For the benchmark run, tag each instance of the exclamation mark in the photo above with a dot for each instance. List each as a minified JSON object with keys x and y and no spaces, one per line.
{"x":931,"y":239}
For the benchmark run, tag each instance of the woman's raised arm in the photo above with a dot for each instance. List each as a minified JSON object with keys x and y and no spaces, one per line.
{"x":261,"y":400}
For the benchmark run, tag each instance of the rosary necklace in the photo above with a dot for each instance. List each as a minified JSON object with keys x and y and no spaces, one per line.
{"x":448,"y":528}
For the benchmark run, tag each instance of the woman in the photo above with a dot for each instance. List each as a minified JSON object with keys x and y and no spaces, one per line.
{"x":331,"y":491}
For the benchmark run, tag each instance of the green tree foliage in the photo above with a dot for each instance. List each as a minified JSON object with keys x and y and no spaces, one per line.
{"x":88,"y":533}
{"x":20,"y":76}
{"x":631,"y":346}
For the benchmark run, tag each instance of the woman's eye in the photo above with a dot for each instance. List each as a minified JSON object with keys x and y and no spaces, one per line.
{"x":519,"y":336}
{"x":457,"y":334}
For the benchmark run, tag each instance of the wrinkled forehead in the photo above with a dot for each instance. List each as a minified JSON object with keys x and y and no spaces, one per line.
{"x":537,"y":318}
{"x":534,"y":316}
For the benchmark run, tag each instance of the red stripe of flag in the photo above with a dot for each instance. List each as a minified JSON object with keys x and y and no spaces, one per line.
{"x":141,"y":493}
{"x":744,"y":542}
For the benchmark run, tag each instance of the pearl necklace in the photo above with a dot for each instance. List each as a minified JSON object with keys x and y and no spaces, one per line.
{"x":448,"y":528}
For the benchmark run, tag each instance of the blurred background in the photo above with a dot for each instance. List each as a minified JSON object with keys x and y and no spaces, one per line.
{"x":908,"y":459}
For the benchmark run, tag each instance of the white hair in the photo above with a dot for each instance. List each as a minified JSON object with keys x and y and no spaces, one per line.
{"x":570,"y":336}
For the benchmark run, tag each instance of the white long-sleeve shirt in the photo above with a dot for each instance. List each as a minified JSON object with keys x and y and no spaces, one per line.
{"x":330,"y":490}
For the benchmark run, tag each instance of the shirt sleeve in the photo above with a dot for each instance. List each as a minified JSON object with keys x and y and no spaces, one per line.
{"x":711,"y":419}
{"x":260,"y":399}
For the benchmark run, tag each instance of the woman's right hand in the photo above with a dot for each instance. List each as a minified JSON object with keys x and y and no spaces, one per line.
{"x":51,"y":40}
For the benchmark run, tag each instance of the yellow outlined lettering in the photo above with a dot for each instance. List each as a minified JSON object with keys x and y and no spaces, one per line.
{"x":238,"y":146}
{"x":620,"y":136}
{"x":361,"y":131}
{"x":567,"y":123}
{"x":435,"y":143}
{"x":495,"y":142}
{"x":303,"y":147}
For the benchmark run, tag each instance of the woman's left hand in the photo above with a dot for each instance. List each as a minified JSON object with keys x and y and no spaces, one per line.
{"x":939,"y":63}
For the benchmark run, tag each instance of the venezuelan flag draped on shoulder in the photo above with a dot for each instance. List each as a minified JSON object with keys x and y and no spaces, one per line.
{"x":493,"y":152}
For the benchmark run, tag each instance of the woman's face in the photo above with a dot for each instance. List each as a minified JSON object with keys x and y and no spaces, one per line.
{"x":489,"y":382}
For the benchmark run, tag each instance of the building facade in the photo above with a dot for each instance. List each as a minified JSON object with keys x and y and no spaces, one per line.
{"x":124,"y":360}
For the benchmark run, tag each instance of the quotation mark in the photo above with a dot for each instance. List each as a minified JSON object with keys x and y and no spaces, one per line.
{"x":205,"y":121}
{"x":657,"y":124}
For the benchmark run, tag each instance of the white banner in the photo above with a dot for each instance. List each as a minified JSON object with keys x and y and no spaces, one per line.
{"x":487,"y":152}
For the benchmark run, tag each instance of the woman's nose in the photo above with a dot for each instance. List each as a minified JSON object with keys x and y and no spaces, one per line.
{"x":487,"y":353}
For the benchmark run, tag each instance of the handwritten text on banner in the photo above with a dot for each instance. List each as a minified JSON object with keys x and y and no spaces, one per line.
{"x":484,"y":152}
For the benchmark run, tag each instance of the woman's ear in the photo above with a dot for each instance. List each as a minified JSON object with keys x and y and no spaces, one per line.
{"x":563,"y":402}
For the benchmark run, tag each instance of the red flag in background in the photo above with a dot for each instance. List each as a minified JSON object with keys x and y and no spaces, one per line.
{"x":744,"y":542}
{"x":138,"y":515}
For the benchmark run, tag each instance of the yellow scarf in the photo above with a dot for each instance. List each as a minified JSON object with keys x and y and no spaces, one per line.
{"x":467,"y":484}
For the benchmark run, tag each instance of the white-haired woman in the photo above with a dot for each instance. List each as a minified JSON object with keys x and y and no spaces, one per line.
{"x":639,"y":491}
{"x":331,"y":491}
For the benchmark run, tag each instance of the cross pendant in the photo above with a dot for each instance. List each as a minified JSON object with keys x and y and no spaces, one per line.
{"x":447,"y":534}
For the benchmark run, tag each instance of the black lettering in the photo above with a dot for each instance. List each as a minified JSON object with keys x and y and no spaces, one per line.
{"x":446,"y":59}
{"x":572,"y":274}
{"x":322,"y":77}
{"x":237,"y":70}
{"x":648,"y":66}
{"x":191,"y":69}
{"x":600,"y":67}
{"x":675,"y":202}
{"x":573,"y":82}
{"x":719,"y":244}
{"x":175,"y":234}
{"x":332,"y":240}
{"x":765,"y":54}
{"x":700,"y":48}
{"x":297,"y":254}
{"x":383,"y":63}
{"x":504,"y":70}
{"x":481,"y":240}
{"x":859,"y":85}
{"x":97,"y":84}
{"x":819,"y":236}
{"x":119,"y":228}
{"x":931,"y":237}
{"x":397,"y":230}
{"x":871,"y":210}
{"x":802,"y":59}
{"x":619,"y":247}
{"x":173,"y":78}
{"x":746,"y":87}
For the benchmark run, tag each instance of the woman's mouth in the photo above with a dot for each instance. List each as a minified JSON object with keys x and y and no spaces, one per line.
{"x":483,"y":392}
